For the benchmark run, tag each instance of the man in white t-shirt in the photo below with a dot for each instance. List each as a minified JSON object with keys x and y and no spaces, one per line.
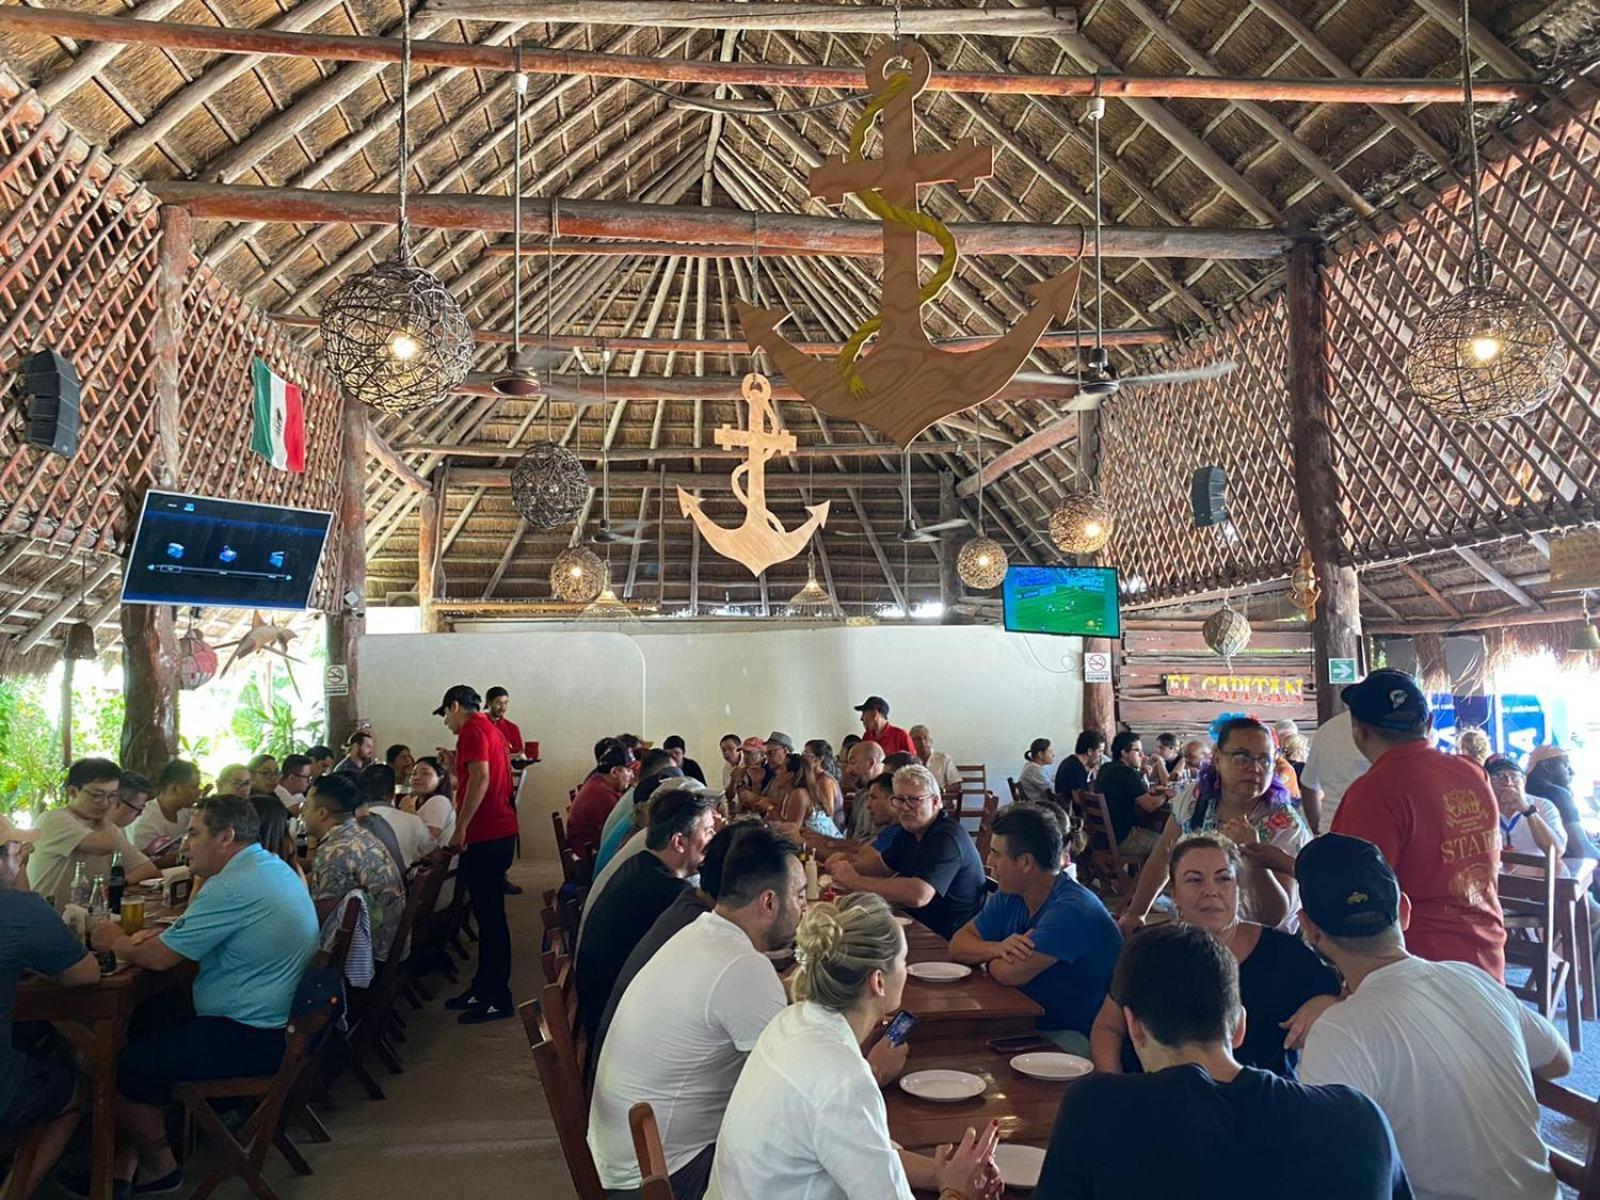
{"x":684,"y":1026}
{"x":83,"y":832}
{"x":161,"y":825}
{"x":1446,"y":1051}
{"x":1332,"y":766}
{"x":937,"y":761}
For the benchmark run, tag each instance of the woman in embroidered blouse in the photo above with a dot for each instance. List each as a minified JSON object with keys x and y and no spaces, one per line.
{"x":806,"y":1118}
{"x":1239,"y":796}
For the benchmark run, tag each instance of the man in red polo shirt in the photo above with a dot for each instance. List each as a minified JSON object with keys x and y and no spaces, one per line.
{"x":874,"y":712}
{"x":486,"y":836}
{"x":496,"y":701}
{"x":1434,"y":817}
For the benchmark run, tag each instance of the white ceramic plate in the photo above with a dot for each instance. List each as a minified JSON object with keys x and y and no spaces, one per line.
{"x":1048,"y":1064}
{"x":942,"y":1085}
{"x":938,"y":972}
{"x":1019,"y":1165}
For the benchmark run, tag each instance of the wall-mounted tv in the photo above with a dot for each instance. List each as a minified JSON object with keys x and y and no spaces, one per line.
{"x":1075,"y":601}
{"x":223,"y":553}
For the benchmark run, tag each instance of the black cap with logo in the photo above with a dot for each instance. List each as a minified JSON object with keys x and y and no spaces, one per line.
{"x":1346,"y":887}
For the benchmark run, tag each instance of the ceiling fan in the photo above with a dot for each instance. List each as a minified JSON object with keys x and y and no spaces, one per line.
{"x":1099,"y":380}
{"x":622,"y":533}
{"x":912,"y":534}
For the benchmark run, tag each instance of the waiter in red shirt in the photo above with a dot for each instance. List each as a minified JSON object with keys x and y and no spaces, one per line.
{"x":496,"y":701}
{"x":1434,"y":817}
{"x":874,"y":712}
{"x":486,"y":836}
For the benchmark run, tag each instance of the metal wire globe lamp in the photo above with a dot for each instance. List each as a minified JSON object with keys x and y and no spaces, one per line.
{"x":549,"y":486}
{"x":981,"y":563}
{"x":1082,"y":523}
{"x":577,"y":575}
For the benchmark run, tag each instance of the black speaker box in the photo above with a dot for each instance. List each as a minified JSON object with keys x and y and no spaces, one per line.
{"x":50,"y":383}
{"x":1208,"y":496}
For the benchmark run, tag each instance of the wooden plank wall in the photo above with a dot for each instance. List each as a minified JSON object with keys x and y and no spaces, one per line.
{"x":1149,"y":656}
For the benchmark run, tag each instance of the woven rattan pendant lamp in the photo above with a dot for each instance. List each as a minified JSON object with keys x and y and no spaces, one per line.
{"x":394,"y":336}
{"x":1486,"y":352}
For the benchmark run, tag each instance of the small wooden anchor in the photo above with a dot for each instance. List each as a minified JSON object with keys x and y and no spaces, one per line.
{"x":905,"y":384}
{"x":762,"y":540}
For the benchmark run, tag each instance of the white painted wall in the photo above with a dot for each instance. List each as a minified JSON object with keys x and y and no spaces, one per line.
{"x":983,"y":692}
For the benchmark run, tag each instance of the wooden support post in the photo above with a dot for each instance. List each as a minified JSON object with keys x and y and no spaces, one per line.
{"x":346,"y":623}
{"x":429,"y":511}
{"x":149,"y":641}
{"x":1336,"y":633}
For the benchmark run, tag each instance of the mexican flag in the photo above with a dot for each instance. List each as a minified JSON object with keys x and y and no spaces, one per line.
{"x":280,"y":431}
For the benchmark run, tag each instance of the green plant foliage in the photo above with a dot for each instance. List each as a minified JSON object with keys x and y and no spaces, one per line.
{"x":30,"y":750}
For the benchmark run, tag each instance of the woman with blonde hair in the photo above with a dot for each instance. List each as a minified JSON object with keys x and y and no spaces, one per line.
{"x":806,"y":1120}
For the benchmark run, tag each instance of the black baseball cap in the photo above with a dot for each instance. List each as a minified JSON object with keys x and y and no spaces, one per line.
{"x":877,"y":703}
{"x":462,"y":694}
{"x":1389,"y":700}
{"x":1346,"y":887}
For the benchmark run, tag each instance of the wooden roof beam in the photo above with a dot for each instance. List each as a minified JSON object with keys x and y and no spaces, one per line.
{"x":779,"y":232}
{"x":814,"y":17}
{"x":283,"y":39}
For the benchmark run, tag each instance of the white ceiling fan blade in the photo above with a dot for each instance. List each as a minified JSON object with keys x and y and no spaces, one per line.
{"x":1214,"y":370}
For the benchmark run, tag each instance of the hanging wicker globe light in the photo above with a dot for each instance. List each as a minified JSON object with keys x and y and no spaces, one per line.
{"x":577,"y":575}
{"x":394,"y":336}
{"x":1082,"y":523}
{"x":549,"y":486}
{"x":1485,"y":354}
{"x":1226,"y":631}
{"x":197,"y":662}
{"x":982,"y":563}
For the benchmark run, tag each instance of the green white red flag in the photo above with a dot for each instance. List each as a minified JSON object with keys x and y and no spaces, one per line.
{"x":280,"y":425}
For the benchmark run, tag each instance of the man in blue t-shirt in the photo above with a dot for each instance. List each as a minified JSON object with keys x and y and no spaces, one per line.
{"x":1043,"y":931}
{"x":252,"y":929}
{"x":35,"y":1089}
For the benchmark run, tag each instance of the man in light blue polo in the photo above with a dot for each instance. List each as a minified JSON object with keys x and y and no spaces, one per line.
{"x":252,"y":929}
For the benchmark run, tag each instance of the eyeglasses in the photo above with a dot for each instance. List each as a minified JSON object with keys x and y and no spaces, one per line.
{"x":1242,"y":758}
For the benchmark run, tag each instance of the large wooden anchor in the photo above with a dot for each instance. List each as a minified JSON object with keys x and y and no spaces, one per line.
{"x":761,"y":540}
{"x":905,"y":384}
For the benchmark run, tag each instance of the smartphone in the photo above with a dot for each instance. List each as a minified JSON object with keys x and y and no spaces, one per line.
{"x":1020,"y":1044}
{"x":900,"y":1029}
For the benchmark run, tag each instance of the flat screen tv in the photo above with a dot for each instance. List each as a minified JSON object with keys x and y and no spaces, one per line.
{"x":223,"y":553}
{"x":1075,"y":601}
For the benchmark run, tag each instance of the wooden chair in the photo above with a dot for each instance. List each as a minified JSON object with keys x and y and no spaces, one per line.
{"x":1582,"y":1177}
{"x":244,"y":1153}
{"x":560,"y":1000}
{"x":655,"y":1183}
{"x":564,"y":1095}
{"x":1105,"y":861}
{"x":1529,"y":903}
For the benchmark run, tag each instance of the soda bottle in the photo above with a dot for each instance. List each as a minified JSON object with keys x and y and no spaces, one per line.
{"x":116,"y":883}
{"x":80,"y":886}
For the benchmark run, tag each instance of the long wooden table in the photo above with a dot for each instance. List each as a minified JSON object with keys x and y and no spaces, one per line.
{"x":95,"y":1019}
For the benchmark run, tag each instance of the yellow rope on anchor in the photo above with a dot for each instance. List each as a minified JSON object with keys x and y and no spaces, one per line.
{"x":901,"y":216}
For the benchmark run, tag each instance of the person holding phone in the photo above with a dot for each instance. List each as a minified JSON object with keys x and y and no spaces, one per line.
{"x":806,"y":1119}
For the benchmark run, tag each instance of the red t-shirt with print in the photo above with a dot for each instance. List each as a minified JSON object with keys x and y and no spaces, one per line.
{"x":480,"y":741}
{"x":1434,"y":817}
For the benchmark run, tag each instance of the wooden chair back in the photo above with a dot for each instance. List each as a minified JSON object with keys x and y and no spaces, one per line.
{"x":560,"y":1000}
{"x":1528,"y":900}
{"x":563,"y":1093}
{"x":655,"y":1183}
{"x":1582,"y":1177}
